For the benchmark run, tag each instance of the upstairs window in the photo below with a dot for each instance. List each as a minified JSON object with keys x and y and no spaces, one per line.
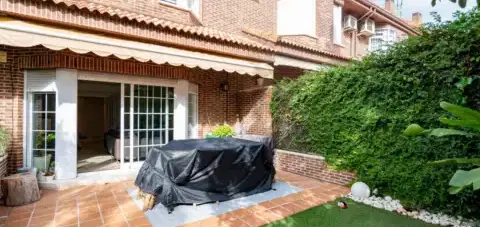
{"x":192,"y":5}
{"x":337,"y":25}
{"x":383,"y":39}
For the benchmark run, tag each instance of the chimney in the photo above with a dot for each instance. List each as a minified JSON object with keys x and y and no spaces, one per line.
{"x":390,"y":6}
{"x":417,"y":18}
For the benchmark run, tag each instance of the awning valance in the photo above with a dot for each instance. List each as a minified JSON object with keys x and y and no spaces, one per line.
{"x":24,"y":34}
{"x":297,"y":63}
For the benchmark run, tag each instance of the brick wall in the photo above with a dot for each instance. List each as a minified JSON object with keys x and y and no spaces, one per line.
{"x":232,"y":16}
{"x":11,"y":107}
{"x":215,"y":105}
{"x":254,"y":110}
{"x":311,"y":166}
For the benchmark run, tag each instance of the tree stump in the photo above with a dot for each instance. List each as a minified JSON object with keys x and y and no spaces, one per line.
{"x":20,"y":189}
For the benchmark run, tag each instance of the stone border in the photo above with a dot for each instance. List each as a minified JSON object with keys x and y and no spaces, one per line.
{"x":313,"y":166}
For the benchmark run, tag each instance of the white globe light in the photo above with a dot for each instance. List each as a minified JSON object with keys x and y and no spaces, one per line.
{"x":360,"y":190}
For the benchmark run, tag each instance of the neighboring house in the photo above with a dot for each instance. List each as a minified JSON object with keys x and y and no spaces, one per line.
{"x":140,"y":73}
{"x":329,"y":31}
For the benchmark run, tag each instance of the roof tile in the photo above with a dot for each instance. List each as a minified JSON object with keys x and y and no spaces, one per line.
{"x":166,"y":24}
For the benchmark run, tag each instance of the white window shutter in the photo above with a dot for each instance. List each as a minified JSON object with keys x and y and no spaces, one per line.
{"x":41,"y":80}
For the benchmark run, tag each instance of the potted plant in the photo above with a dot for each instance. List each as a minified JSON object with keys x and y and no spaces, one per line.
{"x":41,"y":161}
{"x":48,"y":175}
{"x":4,"y":141}
{"x":222,"y":131}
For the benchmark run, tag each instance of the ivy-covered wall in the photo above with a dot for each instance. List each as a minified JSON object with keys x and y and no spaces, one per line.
{"x":355,"y":115}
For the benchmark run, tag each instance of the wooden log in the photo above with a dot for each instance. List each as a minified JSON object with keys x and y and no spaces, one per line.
{"x":148,"y":200}
{"x":21,"y":189}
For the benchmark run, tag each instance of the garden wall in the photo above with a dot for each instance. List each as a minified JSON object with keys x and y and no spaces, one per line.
{"x":313,"y":166}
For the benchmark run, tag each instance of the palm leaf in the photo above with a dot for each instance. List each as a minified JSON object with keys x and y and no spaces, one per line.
{"x":461,"y":112}
{"x":473,"y":161}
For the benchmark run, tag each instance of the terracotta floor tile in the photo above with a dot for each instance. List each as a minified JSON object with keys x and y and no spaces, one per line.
{"x":256,"y":208}
{"x":227,"y":217}
{"x":113,"y":219}
{"x":210,"y":222}
{"x":254,"y":220}
{"x":88,"y":203}
{"x":281,"y":211}
{"x":117,"y":224}
{"x":46,"y":207}
{"x":130,"y":208}
{"x":67,"y":209}
{"x":270,"y":216}
{"x":237,"y":223}
{"x":19,"y":216}
{"x":109,"y":205}
{"x":91,"y":223}
{"x":91,"y":209}
{"x":278,"y":201}
{"x":267,"y":204}
{"x":65,"y":219}
{"x":302,"y":204}
{"x":89,"y":216}
{"x":111,"y":212}
{"x":42,"y":224}
{"x":22,"y":223}
{"x":17,"y":210}
{"x":240,"y":213}
{"x":139,"y":222}
{"x":135,"y":214}
{"x":41,"y":219}
{"x":87,"y":198}
{"x":292,"y":207}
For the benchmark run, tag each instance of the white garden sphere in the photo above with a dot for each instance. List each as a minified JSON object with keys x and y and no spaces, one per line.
{"x":360,"y":190}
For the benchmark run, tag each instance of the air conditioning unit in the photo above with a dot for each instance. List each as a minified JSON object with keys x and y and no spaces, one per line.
{"x":350,"y":23}
{"x":367,"y":27}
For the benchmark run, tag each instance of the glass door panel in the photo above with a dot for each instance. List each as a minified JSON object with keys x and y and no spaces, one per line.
{"x":148,"y":119}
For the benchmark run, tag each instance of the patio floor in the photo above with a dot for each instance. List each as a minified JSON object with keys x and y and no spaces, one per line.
{"x":111,"y":205}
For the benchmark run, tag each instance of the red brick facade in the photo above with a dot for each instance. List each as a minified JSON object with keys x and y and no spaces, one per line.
{"x":215,"y":106}
{"x":311,"y":166}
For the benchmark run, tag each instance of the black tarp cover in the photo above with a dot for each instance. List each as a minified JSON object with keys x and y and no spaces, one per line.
{"x":206,"y":170}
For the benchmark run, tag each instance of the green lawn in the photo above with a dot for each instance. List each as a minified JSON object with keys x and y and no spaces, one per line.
{"x":357,"y":215}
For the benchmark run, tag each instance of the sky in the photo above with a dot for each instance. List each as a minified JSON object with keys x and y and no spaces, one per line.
{"x":445,"y":8}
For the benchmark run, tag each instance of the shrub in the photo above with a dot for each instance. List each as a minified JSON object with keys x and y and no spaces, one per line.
{"x":4,"y":140}
{"x":223,"y":131}
{"x":355,"y":115}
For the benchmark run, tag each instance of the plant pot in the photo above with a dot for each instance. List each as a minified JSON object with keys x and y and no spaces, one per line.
{"x":42,"y":162}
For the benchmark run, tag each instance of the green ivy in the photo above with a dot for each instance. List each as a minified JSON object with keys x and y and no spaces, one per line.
{"x":355,"y":115}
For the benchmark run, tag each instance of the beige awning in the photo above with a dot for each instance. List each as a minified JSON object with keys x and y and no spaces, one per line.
{"x":298,"y":63}
{"x":24,"y":34}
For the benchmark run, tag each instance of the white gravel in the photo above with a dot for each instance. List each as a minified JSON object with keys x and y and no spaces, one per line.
{"x":390,"y":204}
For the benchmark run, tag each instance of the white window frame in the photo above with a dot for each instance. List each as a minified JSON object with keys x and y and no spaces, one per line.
{"x":192,"y":132}
{"x":31,"y":113}
{"x":192,"y":5}
{"x":337,"y":25}
{"x":385,"y":37}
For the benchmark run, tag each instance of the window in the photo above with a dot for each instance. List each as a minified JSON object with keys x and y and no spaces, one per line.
{"x":383,"y":38}
{"x":192,"y":116}
{"x":337,"y":24}
{"x":43,"y":129}
{"x":192,"y":5}
{"x":153,"y":109}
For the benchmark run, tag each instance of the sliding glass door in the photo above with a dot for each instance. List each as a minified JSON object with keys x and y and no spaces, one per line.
{"x":148,"y":119}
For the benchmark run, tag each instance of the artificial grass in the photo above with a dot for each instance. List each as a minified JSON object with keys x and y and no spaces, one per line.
{"x":356,"y":215}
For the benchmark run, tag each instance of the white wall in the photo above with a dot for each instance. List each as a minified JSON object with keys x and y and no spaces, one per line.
{"x":296,"y":17}
{"x":66,"y":124}
{"x":181,"y":110}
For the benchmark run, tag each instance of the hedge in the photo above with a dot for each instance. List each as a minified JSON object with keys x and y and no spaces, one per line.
{"x":355,"y":115}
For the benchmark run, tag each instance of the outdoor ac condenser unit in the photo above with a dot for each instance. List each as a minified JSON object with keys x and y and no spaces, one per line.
{"x":350,"y":23}
{"x":367,"y":27}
